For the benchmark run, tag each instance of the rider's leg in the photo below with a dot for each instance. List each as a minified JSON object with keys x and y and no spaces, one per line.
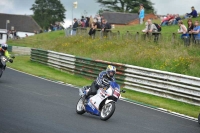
{"x":92,"y":91}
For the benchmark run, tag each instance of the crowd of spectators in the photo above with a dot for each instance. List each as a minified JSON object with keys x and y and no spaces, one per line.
{"x":54,"y":27}
{"x":191,"y":31}
{"x":98,"y":22}
{"x":12,"y":34}
{"x":172,"y":19}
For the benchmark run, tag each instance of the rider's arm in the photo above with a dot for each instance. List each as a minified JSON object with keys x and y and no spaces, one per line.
{"x":7,"y":54}
{"x":99,"y":79}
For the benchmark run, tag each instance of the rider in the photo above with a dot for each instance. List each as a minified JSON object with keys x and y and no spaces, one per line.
{"x":103,"y":80}
{"x":4,"y":52}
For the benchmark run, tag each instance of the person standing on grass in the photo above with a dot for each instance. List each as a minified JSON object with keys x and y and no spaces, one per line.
{"x":196,"y":30}
{"x":190,"y":26}
{"x":75,"y":26}
{"x":141,"y":14}
{"x":182,"y":29}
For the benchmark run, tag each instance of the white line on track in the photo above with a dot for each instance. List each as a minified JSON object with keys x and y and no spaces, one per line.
{"x":122,"y":99}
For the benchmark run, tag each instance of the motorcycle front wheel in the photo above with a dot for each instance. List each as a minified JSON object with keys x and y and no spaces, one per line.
{"x":80,"y":107}
{"x":1,"y":72}
{"x":107,"y":111}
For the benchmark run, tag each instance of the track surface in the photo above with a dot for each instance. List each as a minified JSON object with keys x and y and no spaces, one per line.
{"x":32,"y":105}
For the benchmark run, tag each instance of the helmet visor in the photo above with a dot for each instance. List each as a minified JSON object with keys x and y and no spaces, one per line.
{"x":111,"y":73}
{"x":4,"y":48}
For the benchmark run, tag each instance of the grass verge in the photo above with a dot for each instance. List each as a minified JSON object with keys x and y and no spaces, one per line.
{"x":166,"y":55}
{"x":53,"y":74}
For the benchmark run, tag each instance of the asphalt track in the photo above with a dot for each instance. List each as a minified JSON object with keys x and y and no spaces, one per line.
{"x":32,"y":105}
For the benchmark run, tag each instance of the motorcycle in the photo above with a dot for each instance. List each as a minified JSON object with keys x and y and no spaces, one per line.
{"x":3,"y":61}
{"x":102,"y":104}
{"x":199,"y":119}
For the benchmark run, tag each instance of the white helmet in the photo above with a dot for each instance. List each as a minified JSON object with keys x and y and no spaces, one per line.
{"x":4,"y":46}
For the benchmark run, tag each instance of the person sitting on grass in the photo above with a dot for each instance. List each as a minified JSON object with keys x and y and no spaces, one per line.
{"x":182,"y":29}
{"x":192,"y":14}
{"x":196,"y":31}
{"x":167,"y":20}
{"x":175,"y":20}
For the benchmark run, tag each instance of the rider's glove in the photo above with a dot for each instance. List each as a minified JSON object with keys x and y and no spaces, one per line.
{"x":10,"y":60}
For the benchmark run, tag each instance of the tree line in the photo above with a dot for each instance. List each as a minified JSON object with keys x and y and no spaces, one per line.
{"x":46,"y":12}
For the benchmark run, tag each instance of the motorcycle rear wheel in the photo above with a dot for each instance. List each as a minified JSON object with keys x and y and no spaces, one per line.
{"x":107,"y":111}
{"x":80,"y":107}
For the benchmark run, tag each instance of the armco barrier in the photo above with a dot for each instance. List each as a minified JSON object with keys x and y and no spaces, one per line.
{"x":165,"y":84}
{"x":20,"y":50}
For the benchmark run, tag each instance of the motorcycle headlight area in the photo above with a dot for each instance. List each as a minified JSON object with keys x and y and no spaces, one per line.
{"x":116,"y":93}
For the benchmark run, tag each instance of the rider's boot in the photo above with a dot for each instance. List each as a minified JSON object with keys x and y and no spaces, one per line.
{"x":84,"y":99}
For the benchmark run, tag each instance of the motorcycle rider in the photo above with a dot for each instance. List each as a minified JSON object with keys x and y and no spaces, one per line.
{"x":103,"y":80}
{"x":4,"y":52}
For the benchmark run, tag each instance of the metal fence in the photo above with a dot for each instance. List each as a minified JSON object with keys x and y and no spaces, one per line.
{"x":174,"y":38}
{"x":164,"y":84}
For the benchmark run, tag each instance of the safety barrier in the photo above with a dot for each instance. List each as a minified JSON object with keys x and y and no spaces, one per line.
{"x":20,"y":50}
{"x":164,"y":84}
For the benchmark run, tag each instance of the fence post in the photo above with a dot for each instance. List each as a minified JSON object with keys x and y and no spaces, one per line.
{"x":118,"y":34}
{"x":137,"y":36}
{"x":173,"y":37}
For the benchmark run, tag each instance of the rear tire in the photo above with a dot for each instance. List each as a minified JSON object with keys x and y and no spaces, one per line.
{"x":107,"y":111}
{"x":80,"y":109}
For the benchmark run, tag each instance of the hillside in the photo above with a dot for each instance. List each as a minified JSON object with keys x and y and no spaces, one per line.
{"x":164,"y":55}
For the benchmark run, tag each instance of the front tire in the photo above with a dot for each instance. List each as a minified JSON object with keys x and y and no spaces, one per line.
{"x":107,"y":111}
{"x":80,"y":107}
{"x":1,"y":72}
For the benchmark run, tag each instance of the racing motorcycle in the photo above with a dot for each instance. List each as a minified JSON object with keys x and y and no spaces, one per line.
{"x":102,"y":104}
{"x":3,"y":61}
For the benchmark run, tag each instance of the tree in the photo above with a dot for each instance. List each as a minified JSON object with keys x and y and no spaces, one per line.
{"x":129,"y":6}
{"x":48,"y":12}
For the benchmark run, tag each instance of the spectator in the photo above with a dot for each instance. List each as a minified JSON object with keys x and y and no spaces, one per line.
{"x":105,"y":25}
{"x":82,"y":18}
{"x":182,"y":29}
{"x":95,"y":25}
{"x":15,"y":34}
{"x":101,"y":22}
{"x":105,"y":28}
{"x":91,"y":21}
{"x":141,"y":13}
{"x":87,"y":22}
{"x":75,"y":26}
{"x":192,"y":14}
{"x":166,"y":20}
{"x":190,"y":26}
{"x":82,"y":23}
{"x":99,"y":18}
{"x":26,"y":35}
{"x":176,"y":19}
{"x":196,"y":30}
{"x":150,"y":27}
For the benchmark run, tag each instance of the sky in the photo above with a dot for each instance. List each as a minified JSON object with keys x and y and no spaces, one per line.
{"x":91,"y":7}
